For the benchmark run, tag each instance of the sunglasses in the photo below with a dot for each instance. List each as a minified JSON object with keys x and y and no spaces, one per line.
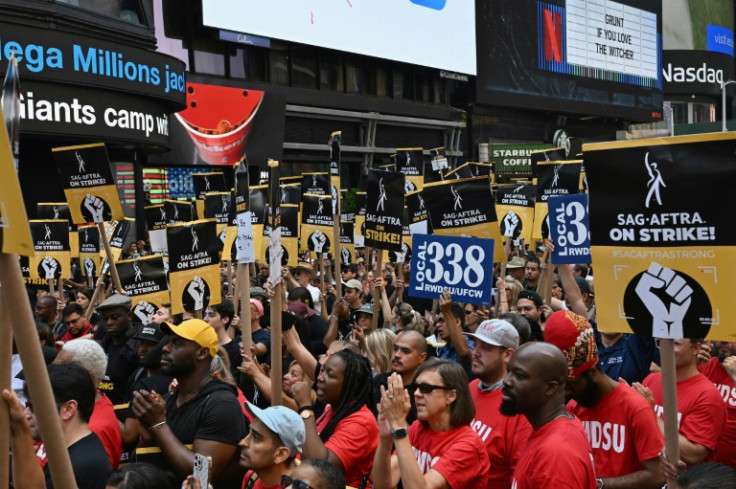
{"x":469,"y":311}
{"x":426,"y":388}
{"x":287,"y":481}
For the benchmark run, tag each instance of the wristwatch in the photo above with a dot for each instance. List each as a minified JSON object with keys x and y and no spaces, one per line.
{"x":306,"y":412}
{"x":400,"y":433}
{"x":599,"y":483}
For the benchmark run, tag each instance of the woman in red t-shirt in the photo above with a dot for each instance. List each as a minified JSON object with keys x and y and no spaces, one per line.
{"x":346,"y":435}
{"x":439,"y":449}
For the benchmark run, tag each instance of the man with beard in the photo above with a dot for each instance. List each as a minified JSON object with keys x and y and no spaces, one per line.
{"x":721,"y":370}
{"x":202,"y":411}
{"x":621,"y":426}
{"x":276,"y":437}
{"x":503,"y":436}
{"x":410,"y":351}
{"x":557,"y":453}
{"x":119,"y":345}
{"x":148,"y":376}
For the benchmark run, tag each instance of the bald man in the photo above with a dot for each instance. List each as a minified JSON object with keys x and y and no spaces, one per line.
{"x":557,"y":453}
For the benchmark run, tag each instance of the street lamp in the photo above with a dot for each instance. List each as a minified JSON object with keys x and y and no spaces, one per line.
{"x":723,"y":103}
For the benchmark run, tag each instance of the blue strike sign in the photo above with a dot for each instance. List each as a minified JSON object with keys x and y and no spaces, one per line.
{"x":463,"y":266}
{"x":569,"y":228}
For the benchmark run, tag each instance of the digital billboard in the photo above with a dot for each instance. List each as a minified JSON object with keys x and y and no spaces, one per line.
{"x":597,"y":57}
{"x":435,"y":33}
{"x":698,"y":46}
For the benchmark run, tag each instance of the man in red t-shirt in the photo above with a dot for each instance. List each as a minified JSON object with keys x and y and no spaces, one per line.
{"x":276,"y":437}
{"x":557,"y":453}
{"x":75,"y":322}
{"x":700,"y":410}
{"x":621,"y":426}
{"x":503,"y":436}
{"x":721,"y":370}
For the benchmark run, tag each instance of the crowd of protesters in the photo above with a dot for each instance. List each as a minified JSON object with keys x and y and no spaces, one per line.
{"x":524,"y":393}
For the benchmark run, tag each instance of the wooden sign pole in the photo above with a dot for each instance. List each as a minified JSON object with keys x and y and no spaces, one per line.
{"x":34,"y":368}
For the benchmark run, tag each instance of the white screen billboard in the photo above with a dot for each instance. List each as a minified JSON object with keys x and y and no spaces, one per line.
{"x":434,"y":33}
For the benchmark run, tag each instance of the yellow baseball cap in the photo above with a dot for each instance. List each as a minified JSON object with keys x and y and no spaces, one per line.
{"x":195,"y":330}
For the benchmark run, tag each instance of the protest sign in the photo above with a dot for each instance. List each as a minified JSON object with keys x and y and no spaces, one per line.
{"x":89,"y":251}
{"x":463,"y":266}
{"x":317,"y":223}
{"x":144,"y":280}
{"x":179,"y":211}
{"x":156,"y":220}
{"x":553,"y":178}
{"x":410,"y":162}
{"x":463,"y":208}
{"x":664,"y":256}
{"x":194,"y":272}
{"x":52,"y":257}
{"x":359,"y":228}
{"x":569,"y":228}
{"x":384,"y":210}
{"x":88,"y":183}
{"x":515,"y":208}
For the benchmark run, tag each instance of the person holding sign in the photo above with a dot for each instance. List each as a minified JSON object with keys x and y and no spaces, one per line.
{"x":439,"y":449}
{"x":450,"y":326}
{"x":700,"y":409}
{"x":621,"y":427}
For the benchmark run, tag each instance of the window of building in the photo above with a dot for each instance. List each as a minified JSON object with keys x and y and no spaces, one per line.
{"x":356,"y":77}
{"x":127,"y":10}
{"x":279,"y":64}
{"x":331,"y":71}
{"x":249,"y":63}
{"x":303,"y":67}
{"x":403,"y":83}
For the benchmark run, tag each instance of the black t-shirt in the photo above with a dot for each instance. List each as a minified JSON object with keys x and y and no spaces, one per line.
{"x":90,"y":464}
{"x":122,"y":360}
{"x":233,"y":354}
{"x":382,"y":380}
{"x":263,"y":336}
{"x":213,"y":414}
{"x":312,"y":333}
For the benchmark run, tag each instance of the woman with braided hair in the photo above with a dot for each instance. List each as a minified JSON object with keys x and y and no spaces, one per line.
{"x":346,"y":435}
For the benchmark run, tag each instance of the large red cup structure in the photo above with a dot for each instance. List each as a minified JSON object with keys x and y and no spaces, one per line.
{"x":219,"y":119}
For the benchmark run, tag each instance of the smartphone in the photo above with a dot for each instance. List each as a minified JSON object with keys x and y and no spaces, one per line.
{"x":202,"y":469}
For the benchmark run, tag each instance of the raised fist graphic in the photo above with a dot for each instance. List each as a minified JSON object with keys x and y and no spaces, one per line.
{"x":49,"y":267}
{"x":510,"y":223}
{"x":196,"y":289}
{"x":667,"y":318}
{"x":95,"y":206}
{"x":318,"y":240}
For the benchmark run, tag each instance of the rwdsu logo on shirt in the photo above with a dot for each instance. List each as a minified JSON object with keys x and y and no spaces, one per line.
{"x":424,"y":460}
{"x":728,"y":393}
{"x":606,"y":435}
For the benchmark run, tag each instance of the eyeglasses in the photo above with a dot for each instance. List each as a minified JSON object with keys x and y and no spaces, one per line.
{"x":426,"y":388}
{"x":439,"y":320}
{"x":70,"y":321}
{"x":287,"y":481}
